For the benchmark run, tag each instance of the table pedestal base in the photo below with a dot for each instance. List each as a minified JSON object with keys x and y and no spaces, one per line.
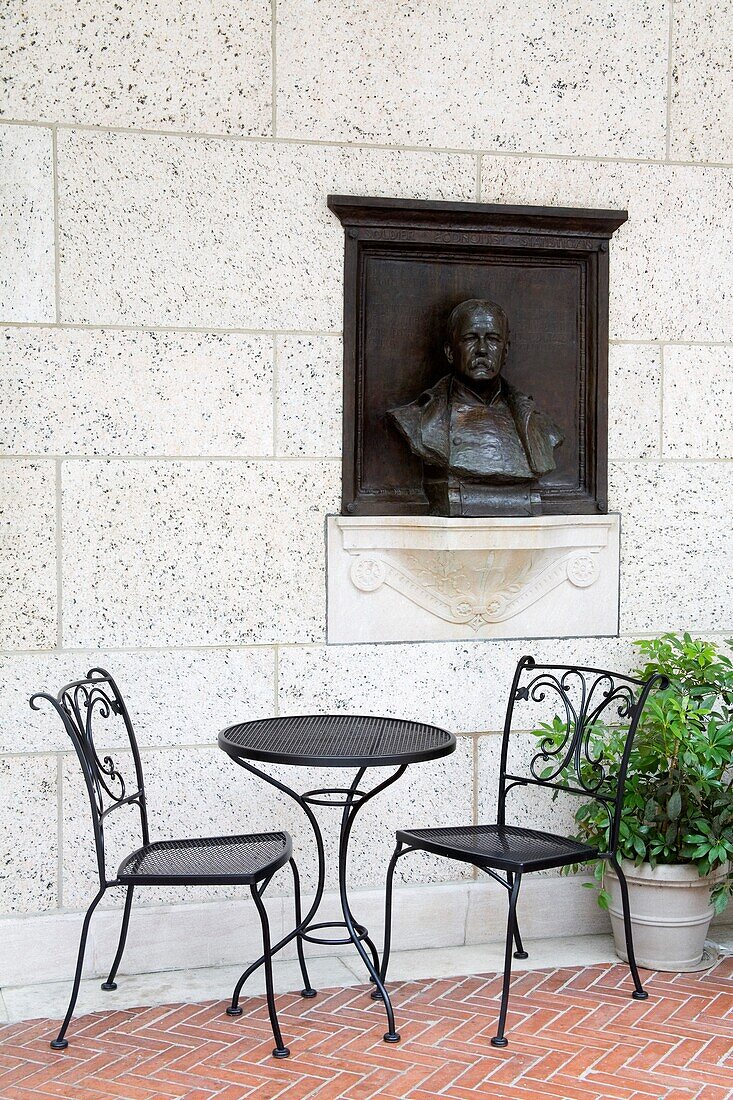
{"x":349,"y":800}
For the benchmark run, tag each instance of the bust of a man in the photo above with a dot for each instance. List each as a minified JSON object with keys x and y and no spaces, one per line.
{"x":483,"y":443}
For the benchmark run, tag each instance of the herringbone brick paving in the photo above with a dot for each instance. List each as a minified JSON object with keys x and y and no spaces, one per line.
{"x":575,"y":1034}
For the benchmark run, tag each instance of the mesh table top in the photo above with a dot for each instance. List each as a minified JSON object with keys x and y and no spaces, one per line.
{"x":336,"y":740}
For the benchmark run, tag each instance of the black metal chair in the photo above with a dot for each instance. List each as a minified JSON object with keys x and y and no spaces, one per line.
{"x":247,"y":860}
{"x":569,"y":760}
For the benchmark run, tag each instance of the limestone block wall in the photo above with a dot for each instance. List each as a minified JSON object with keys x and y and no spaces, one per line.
{"x":170,"y":300}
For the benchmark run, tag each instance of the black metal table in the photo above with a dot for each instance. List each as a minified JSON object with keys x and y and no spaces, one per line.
{"x":342,"y":741}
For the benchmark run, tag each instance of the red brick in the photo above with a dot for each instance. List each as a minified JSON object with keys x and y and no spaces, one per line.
{"x":575,"y":1034}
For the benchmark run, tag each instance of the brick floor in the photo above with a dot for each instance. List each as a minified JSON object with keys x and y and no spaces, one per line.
{"x":575,"y":1034}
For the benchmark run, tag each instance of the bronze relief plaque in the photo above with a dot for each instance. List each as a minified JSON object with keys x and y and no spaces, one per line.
{"x":475,"y":358}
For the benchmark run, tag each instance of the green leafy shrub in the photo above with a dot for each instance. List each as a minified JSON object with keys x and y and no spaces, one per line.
{"x":678,"y":801}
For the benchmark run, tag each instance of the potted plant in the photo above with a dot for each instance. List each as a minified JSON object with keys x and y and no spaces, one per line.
{"x":676,"y":833}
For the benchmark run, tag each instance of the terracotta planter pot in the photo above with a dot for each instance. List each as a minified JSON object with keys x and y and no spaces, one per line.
{"x":670,"y":914}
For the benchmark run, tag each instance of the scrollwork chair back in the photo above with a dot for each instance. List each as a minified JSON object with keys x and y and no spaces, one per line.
{"x":81,"y":705}
{"x":591,"y":705}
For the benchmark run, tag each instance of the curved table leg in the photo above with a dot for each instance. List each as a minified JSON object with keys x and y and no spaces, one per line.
{"x":353,"y":803}
{"x":351,"y":808}
{"x":367,"y":939}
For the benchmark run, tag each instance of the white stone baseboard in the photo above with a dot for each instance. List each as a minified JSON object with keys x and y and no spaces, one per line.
{"x":42,"y":948}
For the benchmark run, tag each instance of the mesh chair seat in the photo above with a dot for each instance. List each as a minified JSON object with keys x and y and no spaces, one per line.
{"x":507,"y":847}
{"x":210,"y":860}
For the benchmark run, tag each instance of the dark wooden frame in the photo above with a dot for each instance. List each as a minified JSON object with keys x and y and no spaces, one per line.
{"x":540,"y":236}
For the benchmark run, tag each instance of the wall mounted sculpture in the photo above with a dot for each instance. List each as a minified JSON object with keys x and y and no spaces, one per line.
{"x":475,"y":358}
{"x":483,"y":443}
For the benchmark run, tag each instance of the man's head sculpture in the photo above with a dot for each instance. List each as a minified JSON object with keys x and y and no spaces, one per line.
{"x":483,"y":443}
{"x":477,"y":340}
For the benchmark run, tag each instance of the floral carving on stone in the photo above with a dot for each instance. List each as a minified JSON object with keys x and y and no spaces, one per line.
{"x":583,"y":569}
{"x":368,"y":574}
{"x":434,"y":578}
{"x":474,"y":588}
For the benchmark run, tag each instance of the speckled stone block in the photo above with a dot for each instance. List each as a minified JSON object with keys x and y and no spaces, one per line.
{"x":191,"y":792}
{"x":666,"y":281}
{"x":634,"y":401}
{"x":28,"y":555}
{"x":309,"y":401}
{"x":173,"y":697}
{"x":702,"y":81}
{"x":195,"y":553}
{"x":247,"y":240}
{"x":28,"y":834}
{"x":462,"y":687}
{"x":698,"y":398}
{"x":177,"y":66}
{"x":583,"y":78}
{"x":27,"y":275}
{"x":529,"y":807}
{"x":144,"y":393}
{"x":676,"y":545}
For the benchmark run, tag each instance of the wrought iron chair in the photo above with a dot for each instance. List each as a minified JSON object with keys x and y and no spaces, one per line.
{"x":247,"y":860}
{"x":570,"y":759}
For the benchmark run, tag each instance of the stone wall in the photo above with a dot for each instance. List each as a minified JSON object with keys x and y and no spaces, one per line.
{"x":170,"y":296}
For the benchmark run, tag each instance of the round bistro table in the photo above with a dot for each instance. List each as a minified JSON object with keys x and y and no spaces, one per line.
{"x":340,"y":741}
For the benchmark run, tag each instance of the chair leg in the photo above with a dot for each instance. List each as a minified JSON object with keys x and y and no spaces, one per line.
{"x":307,"y":990}
{"x":519,"y":952}
{"x":499,"y":1039}
{"x":639,"y":994}
{"x":60,"y":1043}
{"x":280,"y":1051}
{"x":111,"y":983}
{"x":388,"y":913}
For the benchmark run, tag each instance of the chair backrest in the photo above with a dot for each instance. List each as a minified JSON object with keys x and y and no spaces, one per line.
{"x":80,"y":705}
{"x":588,"y":718}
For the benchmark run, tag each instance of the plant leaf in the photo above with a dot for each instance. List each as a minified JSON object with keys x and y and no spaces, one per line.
{"x":674,"y":806}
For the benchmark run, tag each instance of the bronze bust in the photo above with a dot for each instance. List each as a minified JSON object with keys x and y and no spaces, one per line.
{"x":483,"y":443}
